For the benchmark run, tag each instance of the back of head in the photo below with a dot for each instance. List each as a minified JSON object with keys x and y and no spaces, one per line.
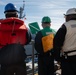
{"x":10,"y":10}
{"x":46,"y":21}
{"x":71,"y":14}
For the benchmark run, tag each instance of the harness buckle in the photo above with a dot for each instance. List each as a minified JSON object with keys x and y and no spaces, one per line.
{"x":65,"y":55}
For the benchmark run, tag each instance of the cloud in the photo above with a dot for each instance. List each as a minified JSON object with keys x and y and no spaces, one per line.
{"x":2,"y":3}
{"x":36,"y":9}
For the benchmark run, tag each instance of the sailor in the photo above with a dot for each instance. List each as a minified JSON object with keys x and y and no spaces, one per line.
{"x":43,"y":46}
{"x":12,"y":55}
{"x":65,"y":44}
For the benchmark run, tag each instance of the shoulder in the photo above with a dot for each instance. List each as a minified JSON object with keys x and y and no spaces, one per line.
{"x":63,"y":27}
{"x":39,"y":33}
{"x":62,"y":30}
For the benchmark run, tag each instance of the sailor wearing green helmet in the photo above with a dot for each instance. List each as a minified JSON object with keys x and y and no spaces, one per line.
{"x":44,"y":45}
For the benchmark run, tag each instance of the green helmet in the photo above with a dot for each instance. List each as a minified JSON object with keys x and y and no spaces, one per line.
{"x":46,"y":19}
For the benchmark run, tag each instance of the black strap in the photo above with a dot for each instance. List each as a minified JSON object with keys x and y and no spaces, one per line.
{"x":70,"y":51}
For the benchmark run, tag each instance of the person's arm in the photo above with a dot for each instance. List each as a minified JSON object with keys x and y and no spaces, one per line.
{"x":58,"y":41}
{"x":28,"y":36}
{"x":38,"y":42}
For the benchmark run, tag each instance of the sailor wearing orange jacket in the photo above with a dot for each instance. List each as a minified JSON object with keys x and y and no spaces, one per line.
{"x":14,"y":35}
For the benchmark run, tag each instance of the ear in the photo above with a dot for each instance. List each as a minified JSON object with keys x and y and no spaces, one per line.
{"x":17,"y":15}
{"x":42,"y":25}
{"x":64,"y":16}
{"x":50,"y":24}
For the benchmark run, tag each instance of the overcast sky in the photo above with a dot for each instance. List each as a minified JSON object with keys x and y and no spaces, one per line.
{"x":36,"y":9}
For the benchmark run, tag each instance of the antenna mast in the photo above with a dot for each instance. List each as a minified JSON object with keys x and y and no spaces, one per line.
{"x":21,"y":11}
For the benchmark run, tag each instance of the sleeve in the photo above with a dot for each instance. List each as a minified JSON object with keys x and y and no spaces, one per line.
{"x":58,"y":41}
{"x":28,"y":36}
{"x":38,"y":43}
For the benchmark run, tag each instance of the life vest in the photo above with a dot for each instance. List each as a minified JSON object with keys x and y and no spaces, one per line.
{"x":12,"y":30}
{"x":47,"y":42}
{"x":47,"y":39}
